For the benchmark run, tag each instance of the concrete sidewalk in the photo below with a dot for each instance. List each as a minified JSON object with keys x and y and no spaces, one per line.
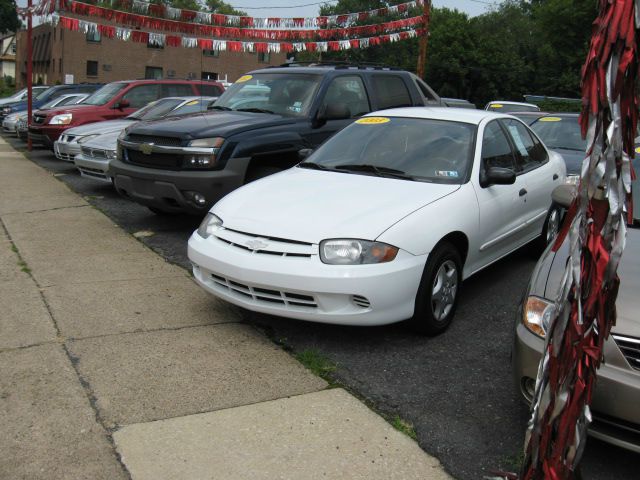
{"x":114,"y":364}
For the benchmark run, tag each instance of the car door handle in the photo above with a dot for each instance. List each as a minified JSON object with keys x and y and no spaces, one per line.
{"x":555,"y":176}
{"x":522,"y":192}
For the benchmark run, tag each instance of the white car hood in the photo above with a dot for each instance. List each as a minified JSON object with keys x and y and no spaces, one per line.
{"x":106,"y":126}
{"x":107,"y":141}
{"x":311,"y":205}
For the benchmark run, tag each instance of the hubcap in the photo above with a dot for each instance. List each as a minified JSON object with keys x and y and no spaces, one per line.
{"x":445,"y":287}
{"x":553,"y":225}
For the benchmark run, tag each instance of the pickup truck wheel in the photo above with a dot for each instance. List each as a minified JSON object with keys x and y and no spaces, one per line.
{"x":437,"y":296}
{"x":257,"y":172}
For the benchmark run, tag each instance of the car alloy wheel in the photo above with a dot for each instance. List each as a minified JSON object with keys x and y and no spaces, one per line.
{"x":553,"y":225}
{"x":443,"y":293}
{"x":437,"y":295}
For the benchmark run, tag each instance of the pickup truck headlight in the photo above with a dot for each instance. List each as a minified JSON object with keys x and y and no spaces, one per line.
{"x":205,"y":159}
{"x":537,"y":314}
{"x":209,"y":225}
{"x":355,"y":252}
{"x":62,"y":119}
{"x":111,"y":154}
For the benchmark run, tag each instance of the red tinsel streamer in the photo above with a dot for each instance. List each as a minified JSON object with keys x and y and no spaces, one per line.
{"x":187,"y":27}
{"x":595,"y":228}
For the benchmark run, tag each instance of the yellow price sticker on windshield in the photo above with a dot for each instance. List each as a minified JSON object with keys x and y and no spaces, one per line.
{"x":637,"y":149}
{"x":373,"y":120}
{"x":496,"y":105}
{"x":192,"y":102}
{"x":550,"y":119}
{"x":244,"y":78}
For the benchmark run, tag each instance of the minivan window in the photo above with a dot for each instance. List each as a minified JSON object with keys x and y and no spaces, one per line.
{"x":391,"y":91}
{"x":142,"y":94}
{"x":105,"y":94}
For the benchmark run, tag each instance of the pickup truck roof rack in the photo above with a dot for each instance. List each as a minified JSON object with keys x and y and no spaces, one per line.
{"x":339,"y":65}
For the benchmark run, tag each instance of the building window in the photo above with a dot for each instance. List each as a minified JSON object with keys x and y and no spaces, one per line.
{"x":93,"y":36}
{"x":92,"y":68}
{"x":13,"y":48}
{"x":211,"y":53}
{"x":264,"y":57}
{"x":154,"y":73}
{"x":209,"y":76}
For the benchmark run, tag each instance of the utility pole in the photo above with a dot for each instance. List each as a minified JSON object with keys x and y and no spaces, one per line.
{"x":424,"y":39}
{"x":29,"y":72}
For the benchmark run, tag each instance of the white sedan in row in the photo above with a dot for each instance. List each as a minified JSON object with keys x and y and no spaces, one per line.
{"x":384,"y":221}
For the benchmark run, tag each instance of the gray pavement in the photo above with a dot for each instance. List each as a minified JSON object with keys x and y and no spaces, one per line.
{"x":113,"y":364}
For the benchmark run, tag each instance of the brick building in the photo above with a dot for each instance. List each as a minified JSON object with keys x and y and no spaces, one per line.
{"x":64,"y":56}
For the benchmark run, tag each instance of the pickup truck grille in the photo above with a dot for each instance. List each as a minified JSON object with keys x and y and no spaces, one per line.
{"x":168,"y":161}
{"x":163,"y":141}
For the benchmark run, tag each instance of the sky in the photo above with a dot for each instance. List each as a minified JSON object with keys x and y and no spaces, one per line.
{"x":472,"y":7}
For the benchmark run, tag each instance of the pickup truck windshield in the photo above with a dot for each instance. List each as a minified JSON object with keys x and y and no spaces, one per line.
{"x":104,"y":94}
{"x":284,"y":94}
{"x":428,"y":150}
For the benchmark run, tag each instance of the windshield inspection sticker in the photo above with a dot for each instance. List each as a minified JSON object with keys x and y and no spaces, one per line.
{"x":637,"y":149}
{"x":244,"y":78}
{"x":550,"y":119}
{"x":496,"y":105}
{"x":447,"y":173}
{"x":192,"y":102}
{"x":373,"y":120}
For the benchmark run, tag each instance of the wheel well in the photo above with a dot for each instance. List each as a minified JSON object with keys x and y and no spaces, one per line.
{"x":460,"y":241}
{"x":280,"y":160}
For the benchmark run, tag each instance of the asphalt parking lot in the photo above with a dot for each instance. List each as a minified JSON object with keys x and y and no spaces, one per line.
{"x":455,"y":389}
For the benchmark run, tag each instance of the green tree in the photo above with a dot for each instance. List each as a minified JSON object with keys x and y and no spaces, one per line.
{"x":186,"y":4}
{"x":218,"y":6}
{"x":9,"y":21}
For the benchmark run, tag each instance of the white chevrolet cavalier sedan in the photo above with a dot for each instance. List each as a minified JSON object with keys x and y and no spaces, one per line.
{"x":384,"y":221}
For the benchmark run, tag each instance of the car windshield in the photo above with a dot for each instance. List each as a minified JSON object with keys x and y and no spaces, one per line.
{"x":560,"y":132}
{"x":280,"y":93}
{"x":37,"y":93}
{"x":194,"y":106}
{"x":507,"y":107}
{"x":428,"y":150}
{"x":157,"y":109}
{"x":104,"y":94}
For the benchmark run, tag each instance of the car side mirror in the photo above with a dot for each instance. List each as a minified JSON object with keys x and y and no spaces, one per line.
{"x":564,"y":195}
{"x":332,"y":111}
{"x":122,"y":104}
{"x":498,"y":176}
{"x":304,"y":153}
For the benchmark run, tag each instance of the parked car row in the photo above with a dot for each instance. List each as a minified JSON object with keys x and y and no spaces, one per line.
{"x":348,"y":195}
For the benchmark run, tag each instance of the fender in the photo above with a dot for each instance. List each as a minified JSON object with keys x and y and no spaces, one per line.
{"x":267,"y":144}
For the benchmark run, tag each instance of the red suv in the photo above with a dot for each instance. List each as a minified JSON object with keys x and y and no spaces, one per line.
{"x":114,"y":100}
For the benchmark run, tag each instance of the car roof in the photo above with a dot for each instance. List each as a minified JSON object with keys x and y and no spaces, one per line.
{"x":465,"y":115}
{"x":166,"y":80}
{"x":323,"y":70}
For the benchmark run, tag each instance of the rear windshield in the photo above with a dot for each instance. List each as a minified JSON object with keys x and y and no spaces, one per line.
{"x":560,"y":132}
{"x":507,"y":107}
{"x":105,"y":94}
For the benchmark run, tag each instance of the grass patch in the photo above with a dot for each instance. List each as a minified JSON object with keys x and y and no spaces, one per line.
{"x":317,"y":363}
{"x":14,"y":249}
{"x":404,"y":427}
{"x":23,"y":266}
{"x":513,"y":462}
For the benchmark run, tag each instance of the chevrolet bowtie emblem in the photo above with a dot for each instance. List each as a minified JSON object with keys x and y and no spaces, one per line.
{"x":256,"y":244}
{"x":146,"y":148}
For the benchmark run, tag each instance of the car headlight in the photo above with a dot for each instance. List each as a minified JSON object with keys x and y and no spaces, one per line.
{"x":86,"y":138}
{"x":572,"y":180}
{"x":537,"y":314}
{"x":62,"y":119}
{"x":355,"y":252}
{"x":210,"y":224}
{"x":205,"y":159}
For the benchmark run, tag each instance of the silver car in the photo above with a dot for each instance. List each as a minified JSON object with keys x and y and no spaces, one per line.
{"x":11,"y":121}
{"x":97,"y":150}
{"x":70,"y":142}
{"x":616,"y":400}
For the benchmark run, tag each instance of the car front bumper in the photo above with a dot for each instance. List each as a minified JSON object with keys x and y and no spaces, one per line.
{"x":304,"y":288}
{"x":46,"y":134}
{"x":66,"y":151}
{"x":9,"y":126}
{"x":93,"y":168}
{"x":169,"y":190}
{"x":616,"y":416}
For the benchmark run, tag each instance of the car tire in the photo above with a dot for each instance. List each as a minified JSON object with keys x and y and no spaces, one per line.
{"x":261,"y":171}
{"x":550,"y":229}
{"x":439,"y":289}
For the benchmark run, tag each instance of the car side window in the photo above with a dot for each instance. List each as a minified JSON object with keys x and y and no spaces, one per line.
{"x":176,"y":90}
{"x":529,"y":151}
{"x":210,"y":90}
{"x":496,"y":150}
{"x":391,"y":92}
{"x":348,"y":90}
{"x":139,"y":96}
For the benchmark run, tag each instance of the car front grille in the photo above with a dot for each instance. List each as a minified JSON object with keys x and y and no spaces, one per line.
{"x":156,"y":140}
{"x":263,"y":245}
{"x":168,"y":161}
{"x":264,"y":295}
{"x":630,"y":348}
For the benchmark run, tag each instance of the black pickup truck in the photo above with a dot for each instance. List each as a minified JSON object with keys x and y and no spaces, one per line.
{"x":260,"y":125}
